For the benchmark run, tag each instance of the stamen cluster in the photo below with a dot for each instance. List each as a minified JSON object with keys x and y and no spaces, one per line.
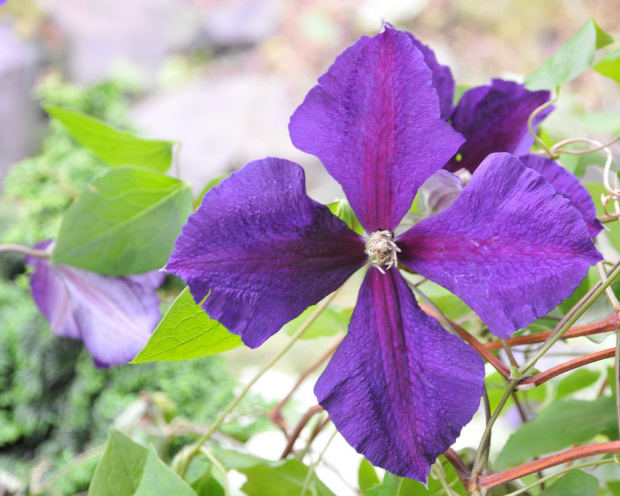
{"x":382,"y":251}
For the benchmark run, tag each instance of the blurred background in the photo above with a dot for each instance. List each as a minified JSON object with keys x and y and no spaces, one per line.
{"x":222,"y":77}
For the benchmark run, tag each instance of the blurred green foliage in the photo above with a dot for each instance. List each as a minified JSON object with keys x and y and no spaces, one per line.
{"x":54,"y":403}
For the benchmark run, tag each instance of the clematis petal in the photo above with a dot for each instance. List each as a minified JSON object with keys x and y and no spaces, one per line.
{"x":399,"y":388}
{"x":263,"y":250}
{"x":442,"y":78}
{"x":114,"y":316}
{"x":494,"y":118}
{"x":509,"y":246}
{"x":374,"y":121}
{"x":439,"y":192}
{"x":567,"y":185}
{"x":51,"y":296}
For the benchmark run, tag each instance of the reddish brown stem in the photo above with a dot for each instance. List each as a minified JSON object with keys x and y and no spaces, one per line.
{"x":459,"y":465}
{"x":276,"y":414}
{"x":475,"y":344}
{"x":300,"y":427}
{"x":493,"y":480}
{"x":606,"y":325}
{"x":538,"y":379}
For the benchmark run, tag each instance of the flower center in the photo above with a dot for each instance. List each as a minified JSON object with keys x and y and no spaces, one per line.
{"x":382,"y":250}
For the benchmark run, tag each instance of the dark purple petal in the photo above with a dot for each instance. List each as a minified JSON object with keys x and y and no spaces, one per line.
{"x":567,"y":185}
{"x":399,"y":388}
{"x":114,"y":316}
{"x":263,"y":250}
{"x":509,"y":246}
{"x":374,"y":121}
{"x":442,"y":78}
{"x":438,"y":192}
{"x":494,"y":118}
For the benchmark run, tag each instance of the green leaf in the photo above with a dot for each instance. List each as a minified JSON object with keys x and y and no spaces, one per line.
{"x":333,"y":320}
{"x":275,"y":478}
{"x":185,"y":332}
{"x":613,"y":234}
{"x":393,"y":485}
{"x":125,"y":223}
{"x":342,"y":209}
{"x":610,"y":65}
{"x":114,"y":147}
{"x":575,"y":483}
{"x":558,"y":426}
{"x":571,"y":59}
{"x":367,"y":476}
{"x":211,"y":184}
{"x":128,"y":469}
{"x":576,"y":381}
{"x":158,"y":479}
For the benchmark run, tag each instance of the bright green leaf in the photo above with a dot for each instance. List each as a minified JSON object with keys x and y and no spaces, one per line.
{"x":393,"y":485}
{"x":610,"y":65}
{"x":575,"y":483}
{"x":367,"y":476}
{"x":334,"y":320}
{"x":571,"y":59}
{"x":114,"y":147}
{"x":128,"y":469}
{"x":211,"y":184}
{"x":342,"y":209}
{"x":158,"y":479}
{"x":276,"y":478}
{"x":185,"y":332}
{"x":576,"y":381}
{"x":558,"y":426}
{"x":125,"y":223}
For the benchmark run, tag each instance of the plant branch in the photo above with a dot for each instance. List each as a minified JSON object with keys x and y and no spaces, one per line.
{"x":492,"y":480}
{"x":276,"y":414}
{"x":312,"y":411}
{"x":24,"y":250}
{"x":541,"y":378}
{"x":606,"y":325}
{"x":532,"y":131}
{"x":459,"y":466}
{"x":471,"y":340}
{"x":193,"y":451}
{"x":312,"y":468}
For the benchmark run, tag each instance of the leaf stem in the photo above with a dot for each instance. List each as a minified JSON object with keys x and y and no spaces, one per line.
{"x":312,"y":468}
{"x":216,"y":424}
{"x":560,"y":472}
{"x":493,"y":480}
{"x":530,"y":124}
{"x":554,"y":337}
{"x":24,"y":250}
{"x":216,"y":463}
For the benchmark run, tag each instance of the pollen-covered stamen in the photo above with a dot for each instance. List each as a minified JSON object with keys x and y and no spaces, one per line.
{"x":382,"y":251}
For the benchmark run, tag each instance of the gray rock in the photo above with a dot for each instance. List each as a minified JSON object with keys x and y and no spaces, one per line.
{"x":20,"y":116}
{"x":225,"y":122}
{"x":104,"y":35}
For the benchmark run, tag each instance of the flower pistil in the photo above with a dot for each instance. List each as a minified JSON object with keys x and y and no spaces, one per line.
{"x":382,"y":251}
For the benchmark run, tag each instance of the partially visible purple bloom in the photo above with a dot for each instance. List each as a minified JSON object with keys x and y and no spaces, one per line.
{"x":494,"y":118}
{"x":113,"y":316}
{"x":400,"y":387}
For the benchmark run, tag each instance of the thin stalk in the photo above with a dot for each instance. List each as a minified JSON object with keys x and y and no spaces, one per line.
{"x":541,"y":378}
{"x":220,"y":468}
{"x":486,"y":436}
{"x":312,"y":468}
{"x":606,"y":325}
{"x":493,"y":480}
{"x":312,"y":411}
{"x":440,"y":475}
{"x":24,"y":250}
{"x":558,"y":473}
{"x":459,"y":466}
{"x":569,"y":323}
{"x":530,"y":124}
{"x":216,"y":424}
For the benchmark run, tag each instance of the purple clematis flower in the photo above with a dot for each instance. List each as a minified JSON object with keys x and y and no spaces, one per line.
{"x":114,"y":316}
{"x":494,"y":118}
{"x":400,"y":387}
